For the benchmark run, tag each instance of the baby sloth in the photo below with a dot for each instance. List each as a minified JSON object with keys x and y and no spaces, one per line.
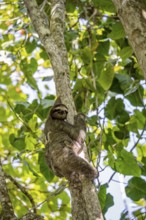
{"x":65,"y":142}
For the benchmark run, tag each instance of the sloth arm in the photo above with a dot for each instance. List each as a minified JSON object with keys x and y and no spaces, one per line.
{"x":76,"y":132}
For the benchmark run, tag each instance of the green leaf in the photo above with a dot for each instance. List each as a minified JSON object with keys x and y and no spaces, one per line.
{"x":139,"y":213}
{"x":70,"y":6}
{"x":106,"y":77}
{"x":93,"y":120}
{"x":126,"y":164}
{"x":28,"y":70}
{"x":132,"y":124}
{"x":111,"y":160}
{"x":143,"y":166}
{"x":115,"y":87}
{"x":48,"y":78}
{"x":3,"y":116}
{"x":124,"y":80}
{"x":109,"y":202}
{"x":44,"y":55}
{"x":21,"y":105}
{"x":46,"y":103}
{"x":121,"y":134}
{"x":115,"y":109}
{"x":105,"y":5}
{"x":47,"y":173}
{"x":125,"y":52}
{"x":65,"y":197}
{"x":103,"y":47}
{"x":28,"y":67}
{"x":117,"y":31}
{"x":84,"y":84}
{"x":4,"y":79}
{"x":102,"y":195}
{"x":99,"y":64}
{"x":135,"y":97}
{"x":69,"y":37}
{"x":30,"y":46}
{"x":33,"y":65}
{"x":33,"y":122}
{"x":30,"y":141}
{"x":109,"y":140}
{"x":133,"y":88}
{"x":30,"y":168}
{"x":23,"y":110}
{"x":87,"y":83}
{"x":123,"y":118}
{"x":106,"y":199}
{"x":136,"y":189}
{"x":140,"y":119}
{"x":136,"y":122}
{"x":86,"y":55}
{"x":17,"y":142}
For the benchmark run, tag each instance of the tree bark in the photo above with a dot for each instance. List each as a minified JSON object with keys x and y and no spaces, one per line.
{"x":132,"y":14}
{"x":85,"y":204}
{"x":7,"y":208}
{"x":7,"y":212}
{"x":52,"y":38}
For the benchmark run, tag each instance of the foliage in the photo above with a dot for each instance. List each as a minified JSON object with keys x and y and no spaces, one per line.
{"x":107,"y":85}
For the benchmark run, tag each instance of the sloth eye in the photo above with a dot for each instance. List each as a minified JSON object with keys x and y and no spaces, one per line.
{"x":62,"y":112}
{"x":59,"y":111}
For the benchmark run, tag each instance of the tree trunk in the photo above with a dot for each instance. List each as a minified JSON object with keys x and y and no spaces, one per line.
{"x":132,"y":14}
{"x":7,"y":209}
{"x":52,"y":37}
{"x":85,"y":204}
{"x":7,"y":212}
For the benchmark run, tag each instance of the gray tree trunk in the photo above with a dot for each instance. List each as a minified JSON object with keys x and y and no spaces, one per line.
{"x":7,"y":209}
{"x":7,"y":212}
{"x":85,"y":204}
{"x":132,"y":14}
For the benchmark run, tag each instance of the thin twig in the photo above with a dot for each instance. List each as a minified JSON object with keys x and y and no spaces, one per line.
{"x":22,"y":190}
{"x":138,"y":138}
{"x":55,"y":193}
{"x":112,"y":176}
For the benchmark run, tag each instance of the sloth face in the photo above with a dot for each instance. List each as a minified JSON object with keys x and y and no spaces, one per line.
{"x":59,"y":112}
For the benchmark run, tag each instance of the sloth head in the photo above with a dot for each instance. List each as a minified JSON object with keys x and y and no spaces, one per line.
{"x":59,"y":110}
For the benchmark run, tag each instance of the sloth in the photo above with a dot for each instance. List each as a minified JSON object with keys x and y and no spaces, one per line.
{"x":64,"y":143}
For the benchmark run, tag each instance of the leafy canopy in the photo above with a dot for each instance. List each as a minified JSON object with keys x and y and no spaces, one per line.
{"x":107,"y":85}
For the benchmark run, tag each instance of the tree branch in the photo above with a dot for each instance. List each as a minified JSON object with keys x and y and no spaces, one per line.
{"x":140,"y":136}
{"x":132,"y":14}
{"x":23,"y":190}
{"x":53,"y":40}
{"x":7,"y":208}
{"x":85,"y":204}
